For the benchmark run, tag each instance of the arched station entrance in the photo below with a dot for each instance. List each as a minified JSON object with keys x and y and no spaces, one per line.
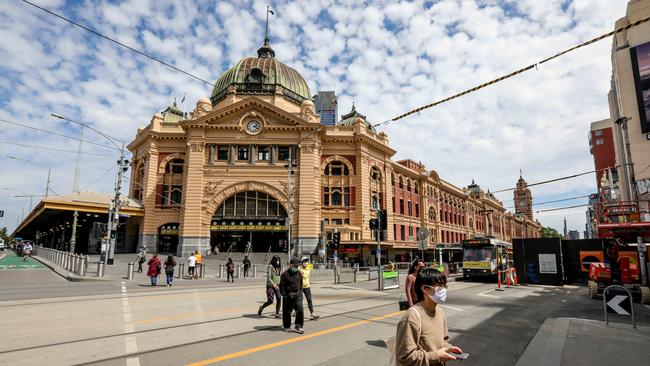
{"x":168,"y":238}
{"x":249,"y":216}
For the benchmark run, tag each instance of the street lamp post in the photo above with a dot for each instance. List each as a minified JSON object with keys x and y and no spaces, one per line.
{"x":114,"y":206}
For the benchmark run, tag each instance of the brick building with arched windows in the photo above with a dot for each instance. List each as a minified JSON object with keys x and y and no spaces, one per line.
{"x":219,"y":176}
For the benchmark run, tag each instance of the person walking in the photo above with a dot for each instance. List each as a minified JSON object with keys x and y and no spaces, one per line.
{"x":272,"y":286}
{"x":199,"y":258}
{"x":305,"y":271}
{"x":409,"y":285}
{"x":230,"y":269}
{"x":154,"y":269}
{"x":291,"y":290}
{"x":422,"y":337}
{"x":141,"y":258}
{"x":169,"y":264}
{"x":247,"y":266}
{"x":191,"y":265}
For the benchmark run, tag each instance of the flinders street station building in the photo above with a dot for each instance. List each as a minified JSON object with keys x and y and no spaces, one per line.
{"x":253,"y":163}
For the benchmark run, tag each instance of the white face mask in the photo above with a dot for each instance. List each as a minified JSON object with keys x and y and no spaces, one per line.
{"x":440,"y":296}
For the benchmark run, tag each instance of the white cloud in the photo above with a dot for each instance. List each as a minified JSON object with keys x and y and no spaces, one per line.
{"x":387,"y":56}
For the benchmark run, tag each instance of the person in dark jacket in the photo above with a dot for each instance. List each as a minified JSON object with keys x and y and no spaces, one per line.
{"x":230,"y":269}
{"x":170,"y":263}
{"x":291,"y":290}
{"x":154,"y":269}
{"x":247,"y":266}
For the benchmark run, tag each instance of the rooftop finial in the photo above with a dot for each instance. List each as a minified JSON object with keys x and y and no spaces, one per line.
{"x":266,"y":51}
{"x":521,"y":174}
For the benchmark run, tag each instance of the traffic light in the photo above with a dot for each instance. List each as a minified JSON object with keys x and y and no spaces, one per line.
{"x":336,"y":240}
{"x":384,"y":220}
{"x":373,"y":224}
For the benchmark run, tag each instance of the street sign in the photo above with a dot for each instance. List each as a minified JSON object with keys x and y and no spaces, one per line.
{"x":423,"y":234}
{"x":618,"y":300}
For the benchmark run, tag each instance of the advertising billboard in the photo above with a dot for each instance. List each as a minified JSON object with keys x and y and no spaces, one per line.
{"x":641,"y":68}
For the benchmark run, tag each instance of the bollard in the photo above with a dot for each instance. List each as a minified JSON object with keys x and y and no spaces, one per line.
{"x":355,"y":273}
{"x":499,"y":281}
{"x":100,"y":269}
{"x":255,"y":271}
{"x":64,"y":264}
{"x":181,"y":269}
{"x":75,"y":263}
{"x":129,"y":271}
{"x":335,"y":274}
{"x":238,"y":270}
{"x":221,"y":271}
{"x":203,"y":270}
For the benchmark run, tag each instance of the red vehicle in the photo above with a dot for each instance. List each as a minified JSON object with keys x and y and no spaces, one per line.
{"x":621,"y":223}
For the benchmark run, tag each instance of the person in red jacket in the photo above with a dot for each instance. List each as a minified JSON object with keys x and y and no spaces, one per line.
{"x":154,"y":269}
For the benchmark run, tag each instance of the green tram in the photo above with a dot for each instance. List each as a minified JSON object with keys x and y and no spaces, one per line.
{"x":485,"y":256}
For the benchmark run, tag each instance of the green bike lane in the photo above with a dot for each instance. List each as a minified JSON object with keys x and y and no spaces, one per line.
{"x":12,"y":262}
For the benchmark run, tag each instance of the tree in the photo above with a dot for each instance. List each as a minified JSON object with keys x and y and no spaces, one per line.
{"x":4,"y":236}
{"x":549,"y":232}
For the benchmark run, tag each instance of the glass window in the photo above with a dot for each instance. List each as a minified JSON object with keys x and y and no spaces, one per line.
{"x":337,"y":198}
{"x":598,"y":133}
{"x":336,"y":170}
{"x":337,"y":222}
{"x":410,"y":208}
{"x":600,"y":141}
{"x":346,"y":221}
{"x":283,"y":153}
{"x":222,"y":152}
{"x":346,"y":198}
{"x":401,"y":206}
{"x":242,"y":153}
{"x":403,"y":232}
{"x":177,"y":195}
{"x":417,"y":210}
{"x":165,"y":195}
{"x":401,"y":183}
{"x":263,"y":153}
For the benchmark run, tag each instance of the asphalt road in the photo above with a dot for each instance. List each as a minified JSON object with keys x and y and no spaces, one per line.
{"x":110,"y":323}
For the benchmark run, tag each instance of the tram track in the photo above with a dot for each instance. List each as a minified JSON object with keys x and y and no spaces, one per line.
{"x":179,"y":326}
{"x":212,"y":339}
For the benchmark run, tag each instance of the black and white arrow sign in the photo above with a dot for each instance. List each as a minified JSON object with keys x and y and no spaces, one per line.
{"x":618,"y":303}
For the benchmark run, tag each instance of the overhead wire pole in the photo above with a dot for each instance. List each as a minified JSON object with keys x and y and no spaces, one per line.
{"x":108,"y":250}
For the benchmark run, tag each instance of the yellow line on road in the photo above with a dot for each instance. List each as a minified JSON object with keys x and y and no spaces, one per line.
{"x":285,"y":342}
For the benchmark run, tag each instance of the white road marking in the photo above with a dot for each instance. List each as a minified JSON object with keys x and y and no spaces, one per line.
{"x":452,"y":308}
{"x":130,"y":341}
{"x":484,"y":293}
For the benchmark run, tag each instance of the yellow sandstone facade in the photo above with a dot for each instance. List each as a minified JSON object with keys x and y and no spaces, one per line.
{"x":219,"y":177}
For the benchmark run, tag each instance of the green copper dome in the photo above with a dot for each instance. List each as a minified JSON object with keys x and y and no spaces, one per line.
{"x":262,"y":75}
{"x":349,"y":119}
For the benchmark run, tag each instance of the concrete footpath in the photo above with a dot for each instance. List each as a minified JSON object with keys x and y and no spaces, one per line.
{"x":584,"y":342}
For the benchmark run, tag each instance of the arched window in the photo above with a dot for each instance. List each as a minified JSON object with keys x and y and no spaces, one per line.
{"x":416,"y":190}
{"x":401,"y":182}
{"x":170,"y":193}
{"x":336,"y":168}
{"x":392,"y":179}
{"x":432,"y":214}
{"x":375,"y":174}
{"x":138,"y":182}
{"x":408,"y":185}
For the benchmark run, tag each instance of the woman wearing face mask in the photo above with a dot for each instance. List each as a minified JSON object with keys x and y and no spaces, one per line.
{"x":422,"y":337}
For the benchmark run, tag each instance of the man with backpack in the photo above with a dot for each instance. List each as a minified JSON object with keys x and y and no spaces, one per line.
{"x":230,"y":269}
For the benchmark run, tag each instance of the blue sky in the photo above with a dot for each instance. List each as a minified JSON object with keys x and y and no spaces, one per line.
{"x":386,"y":56}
